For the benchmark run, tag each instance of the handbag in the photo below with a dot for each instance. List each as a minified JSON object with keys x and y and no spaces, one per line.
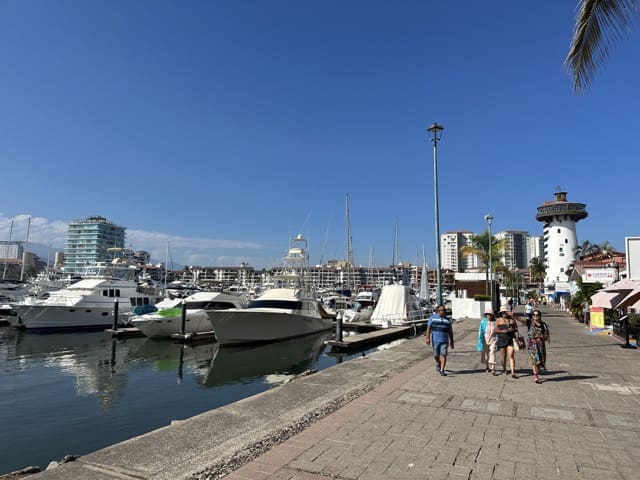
{"x":516,"y":344}
{"x":520,"y":342}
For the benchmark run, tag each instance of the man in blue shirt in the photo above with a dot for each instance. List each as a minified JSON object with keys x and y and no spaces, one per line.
{"x":441,"y":329}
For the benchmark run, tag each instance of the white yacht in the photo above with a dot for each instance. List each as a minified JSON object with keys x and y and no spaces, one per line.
{"x":86,"y":304}
{"x":283,"y":312}
{"x":167,"y":321}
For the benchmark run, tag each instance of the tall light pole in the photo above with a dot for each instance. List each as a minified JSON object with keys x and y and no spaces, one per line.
{"x":489,"y":219}
{"x":435,"y":133}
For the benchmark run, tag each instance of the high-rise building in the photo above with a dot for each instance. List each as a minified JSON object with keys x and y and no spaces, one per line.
{"x":514,"y":255}
{"x":88,"y":242}
{"x":535,"y":248}
{"x":559,"y":219}
{"x":450,"y":245}
{"x":11,"y":250}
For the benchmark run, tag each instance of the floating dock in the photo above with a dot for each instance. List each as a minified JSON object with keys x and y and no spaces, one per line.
{"x":377,"y":337}
{"x":125,"y":332}
{"x":194,"y":337}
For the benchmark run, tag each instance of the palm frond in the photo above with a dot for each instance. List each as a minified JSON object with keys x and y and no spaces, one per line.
{"x":599,"y":23}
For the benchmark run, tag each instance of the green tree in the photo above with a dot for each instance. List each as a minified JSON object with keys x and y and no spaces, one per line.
{"x":479,"y":245}
{"x":538,"y":268}
{"x":585,"y":249}
{"x":599,"y":23}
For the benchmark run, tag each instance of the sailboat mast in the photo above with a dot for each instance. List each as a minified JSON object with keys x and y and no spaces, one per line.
{"x":395,"y":244}
{"x":6,"y":256}
{"x":26,"y":246}
{"x":350,"y":261}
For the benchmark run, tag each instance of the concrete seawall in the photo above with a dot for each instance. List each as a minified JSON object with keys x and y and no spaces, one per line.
{"x":223,"y":439}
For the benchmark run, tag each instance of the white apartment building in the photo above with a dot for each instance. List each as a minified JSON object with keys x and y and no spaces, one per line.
{"x":535,"y":247}
{"x":514,"y":255}
{"x":450,"y":245}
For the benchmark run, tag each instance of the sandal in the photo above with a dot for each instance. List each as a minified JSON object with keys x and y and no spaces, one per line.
{"x":513,"y":375}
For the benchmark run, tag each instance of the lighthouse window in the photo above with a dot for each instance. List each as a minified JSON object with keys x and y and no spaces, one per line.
{"x":558,"y":230}
{"x":562,"y":269}
{"x":566,"y":241}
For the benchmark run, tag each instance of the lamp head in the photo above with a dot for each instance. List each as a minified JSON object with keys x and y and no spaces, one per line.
{"x":435,"y":132}
{"x":488,"y":218}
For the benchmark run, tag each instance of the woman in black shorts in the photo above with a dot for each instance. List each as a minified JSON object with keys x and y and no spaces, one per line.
{"x":507,"y":331}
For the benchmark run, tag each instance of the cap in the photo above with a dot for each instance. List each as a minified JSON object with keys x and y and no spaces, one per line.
{"x":489,"y":310}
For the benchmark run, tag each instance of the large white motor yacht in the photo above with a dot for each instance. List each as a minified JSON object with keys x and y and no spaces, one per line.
{"x":167,"y":321}
{"x":278,"y":314}
{"x":291,"y":310}
{"x":86,"y":304}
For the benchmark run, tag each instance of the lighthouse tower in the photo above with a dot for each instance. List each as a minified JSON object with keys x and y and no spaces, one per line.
{"x":559,"y":218}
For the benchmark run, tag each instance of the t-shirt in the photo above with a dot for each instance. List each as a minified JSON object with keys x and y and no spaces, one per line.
{"x":528,"y":309}
{"x":440,"y":328}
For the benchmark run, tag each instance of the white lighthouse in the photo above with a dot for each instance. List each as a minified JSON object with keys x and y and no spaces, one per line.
{"x":559,"y":219}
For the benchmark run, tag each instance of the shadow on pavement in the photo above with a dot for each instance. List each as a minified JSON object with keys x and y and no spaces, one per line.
{"x":568,"y":378}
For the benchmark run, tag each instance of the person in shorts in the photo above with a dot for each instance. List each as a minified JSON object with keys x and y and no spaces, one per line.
{"x":440,"y":336}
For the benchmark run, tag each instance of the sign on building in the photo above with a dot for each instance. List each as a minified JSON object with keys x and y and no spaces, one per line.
{"x":632,"y":249}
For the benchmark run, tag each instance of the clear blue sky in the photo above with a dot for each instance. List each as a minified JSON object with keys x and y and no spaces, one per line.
{"x":226,"y":127}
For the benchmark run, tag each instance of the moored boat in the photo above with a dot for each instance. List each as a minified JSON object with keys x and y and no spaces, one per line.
{"x":291,"y":310}
{"x":87,"y":304}
{"x":167,"y":321}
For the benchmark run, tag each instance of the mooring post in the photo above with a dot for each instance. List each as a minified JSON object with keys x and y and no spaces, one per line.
{"x":115,"y":314}
{"x":183,"y":317}
{"x":339,"y":327}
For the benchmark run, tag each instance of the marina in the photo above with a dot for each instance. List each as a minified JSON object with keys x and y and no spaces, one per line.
{"x":57,"y":390}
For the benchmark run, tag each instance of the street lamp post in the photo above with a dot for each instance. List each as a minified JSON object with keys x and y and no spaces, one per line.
{"x":435,"y":133}
{"x":489,"y":219}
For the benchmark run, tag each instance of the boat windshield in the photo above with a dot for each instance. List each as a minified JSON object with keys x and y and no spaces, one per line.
{"x":290,"y":304}
{"x":209,"y":305}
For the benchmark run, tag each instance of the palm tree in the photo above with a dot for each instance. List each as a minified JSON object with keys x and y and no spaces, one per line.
{"x":538,"y":270}
{"x":585,"y":249}
{"x":605,"y":249}
{"x":599,"y":23}
{"x":479,"y":245}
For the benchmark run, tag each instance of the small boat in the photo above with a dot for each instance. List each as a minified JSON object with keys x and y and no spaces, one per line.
{"x":166,"y":321}
{"x":291,"y":310}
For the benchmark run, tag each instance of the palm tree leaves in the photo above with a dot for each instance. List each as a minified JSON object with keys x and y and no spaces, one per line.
{"x":538,"y":269}
{"x":599,"y":23}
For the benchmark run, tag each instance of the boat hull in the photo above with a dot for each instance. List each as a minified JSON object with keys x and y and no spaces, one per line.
{"x":156,"y":326}
{"x":242,"y":327}
{"x":52,"y":318}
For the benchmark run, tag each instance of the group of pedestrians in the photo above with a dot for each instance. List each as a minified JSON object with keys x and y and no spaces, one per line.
{"x":498,"y":339}
{"x":500,"y":336}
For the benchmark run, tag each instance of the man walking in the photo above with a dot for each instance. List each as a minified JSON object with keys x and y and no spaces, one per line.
{"x":528,"y":312}
{"x":440,"y":332}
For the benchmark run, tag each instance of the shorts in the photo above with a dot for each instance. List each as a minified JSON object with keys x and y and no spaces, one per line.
{"x":440,"y":349}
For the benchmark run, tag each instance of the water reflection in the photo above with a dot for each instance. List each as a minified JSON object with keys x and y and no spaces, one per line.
{"x":277,"y":362}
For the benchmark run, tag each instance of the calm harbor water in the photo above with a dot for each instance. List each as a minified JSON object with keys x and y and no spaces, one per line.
{"x":74,"y":393}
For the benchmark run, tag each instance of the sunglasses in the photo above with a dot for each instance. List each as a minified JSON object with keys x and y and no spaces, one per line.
{"x":536,"y":314}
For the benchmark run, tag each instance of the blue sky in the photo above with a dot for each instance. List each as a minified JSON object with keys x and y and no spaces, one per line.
{"x":227,"y":127}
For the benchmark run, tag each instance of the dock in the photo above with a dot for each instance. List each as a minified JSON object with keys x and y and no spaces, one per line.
{"x":125,"y":332}
{"x":376,"y":337}
{"x":194,"y":337}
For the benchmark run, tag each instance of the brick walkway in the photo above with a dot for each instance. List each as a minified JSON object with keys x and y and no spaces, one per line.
{"x":582,"y":422}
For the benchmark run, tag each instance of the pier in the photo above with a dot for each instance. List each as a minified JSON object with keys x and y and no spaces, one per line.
{"x":390,"y":415}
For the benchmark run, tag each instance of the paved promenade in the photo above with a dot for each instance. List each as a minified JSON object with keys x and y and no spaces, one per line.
{"x":582,"y":422}
{"x":393,"y":417}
